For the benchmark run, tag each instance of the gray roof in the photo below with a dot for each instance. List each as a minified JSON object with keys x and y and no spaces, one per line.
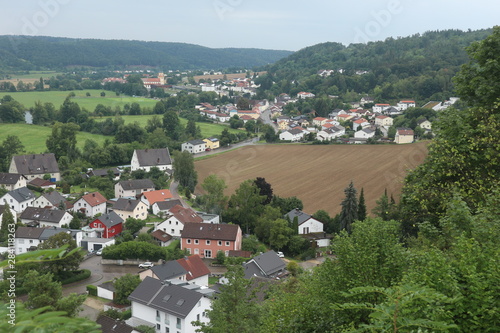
{"x":110,"y":325}
{"x":166,"y":205}
{"x":252,"y":270}
{"x":135,"y":184}
{"x":295,"y":131}
{"x":153,"y":157}
{"x":22,"y":194}
{"x":301,"y":216}
{"x":9,"y":178}
{"x":54,"y":197}
{"x":103,"y":172}
{"x":51,"y":231}
{"x":36,"y":164}
{"x":43,"y":214}
{"x":127,"y":205}
{"x":269,"y":263}
{"x":368,"y":130}
{"x":169,"y":270}
{"x":196,"y":142}
{"x":108,"y":286}
{"x":110,"y":219}
{"x":29,"y":232}
{"x":165,"y":297}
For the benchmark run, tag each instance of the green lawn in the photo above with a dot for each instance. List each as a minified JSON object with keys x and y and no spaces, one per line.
{"x":33,"y":137}
{"x":34,"y":75}
{"x":29,"y":98}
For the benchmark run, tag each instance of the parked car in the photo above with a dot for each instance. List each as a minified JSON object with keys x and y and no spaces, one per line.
{"x":98,"y":252}
{"x":146,"y":264}
{"x":280,"y":254}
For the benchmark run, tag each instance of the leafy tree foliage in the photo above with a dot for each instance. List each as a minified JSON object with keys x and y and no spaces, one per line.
{"x":62,"y":141}
{"x":7,"y":221}
{"x":134,"y":225}
{"x":124,"y":286}
{"x":245,"y":205}
{"x":11,"y":111}
{"x":68,"y":263}
{"x":265,"y":189}
{"x":362,"y":206}
{"x":214,"y":200}
{"x":10,"y":146}
{"x":184,"y":171}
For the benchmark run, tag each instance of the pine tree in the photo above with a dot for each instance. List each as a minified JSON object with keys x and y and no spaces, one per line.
{"x":7,"y":219}
{"x":362,"y":206}
{"x":349,"y":211}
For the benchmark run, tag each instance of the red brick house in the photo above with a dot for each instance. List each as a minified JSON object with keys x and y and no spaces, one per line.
{"x":108,"y":225}
{"x":207,"y":239}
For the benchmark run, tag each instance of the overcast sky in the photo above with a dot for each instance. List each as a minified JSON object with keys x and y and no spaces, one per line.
{"x":285,"y":25}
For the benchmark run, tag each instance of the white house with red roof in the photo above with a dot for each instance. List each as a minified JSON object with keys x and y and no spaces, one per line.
{"x":149,"y":198}
{"x":178,"y":217}
{"x":380,"y":107}
{"x":305,"y":95}
{"x":384,"y":121}
{"x":319,"y":121}
{"x":404,"y":135}
{"x":360,"y":124}
{"x":91,"y":204}
{"x":404,"y":105}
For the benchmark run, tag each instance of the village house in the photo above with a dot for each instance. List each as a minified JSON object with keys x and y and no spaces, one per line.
{"x":212,"y":143}
{"x":266,"y":265}
{"x":12,"y":181}
{"x":107,"y":225}
{"x":53,"y":200}
{"x":404,"y":135}
{"x":304,"y":95}
{"x":42,"y":184}
{"x":151,"y":197}
{"x":384,"y":121}
{"x":380,"y":107}
{"x":154,"y":82}
{"x":145,"y":159}
{"x":365,"y":133}
{"x":133,"y":188}
{"x":162,"y":207}
{"x":169,"y":306}
{"x":392,"y":111}
{"x":425,"y":124}
{"x":330,"y":133}
{"x":360,"y":124}
{"x":319,"y":121}
{"x":294,"y":135}
{"x":194,"y":146}
{"x":162,"y":238}
{"x":126,"y":208}
{"x":36,"y":165}
{"x":341,"y":118}
{"x":191,"y":269}
{"x":177,"y":219}
{"x":208,"y":239}
{"x":104,"y":173}
{"x":43,"y":217}
{"x":28,"y":238}
{"x":91,"y":204}
{"x":18,"y":199}
{"x":404,"y":105}
{"x":309,"y":227}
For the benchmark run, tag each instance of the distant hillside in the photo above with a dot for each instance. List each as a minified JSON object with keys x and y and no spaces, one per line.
{"x":29,"y":53}
{"x":417,"y":66}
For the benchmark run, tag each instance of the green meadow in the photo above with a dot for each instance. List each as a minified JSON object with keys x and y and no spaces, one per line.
{"x":33,"y":137}
{"x":34,"y":75}
{"x":28,"y":98}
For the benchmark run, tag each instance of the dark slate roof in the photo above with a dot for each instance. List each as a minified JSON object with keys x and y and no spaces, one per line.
{"x":153,"y":157}
{"x":108,"y":286}
{"x":196,"y":142}
{"x":36,"y":164}
{"x":111,"y":219}
{"x":127,"y":205}
{"x":168,"y":270}
{"x":29,"y":232}
{"x":110,"y":325}
{"x":252,"y":270}
{"x":165,"y":297}
{"x":135,"y":184}
{"x":54,"y":197}
{"x":269,"y":263}
{"x":9,"y":178}
{"x":295,"y":131}
{"x":42,"y":214}
{"x":167,"y":205}
{"x":301,"y":216}
{"x":210,"y":231}
{"x":51,"y":231}
{"x":103,"y":172}
{"x":22,"y":194}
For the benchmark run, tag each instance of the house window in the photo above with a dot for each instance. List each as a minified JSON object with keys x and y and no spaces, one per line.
{"x":21,"y":241}
{"x":188,"y":250}
{"x":188,"y":241}
{"x":169,"y":222}
{"x":227,"y":243}
{"x":176,"y":223}
{"x":198,"y":317}
{"x":172,"y":231}
{"x":219,"y":243}
{"x":226,"y":253}
{"x":31,"y":241}
{"x":207,"y":242}
{"x":167,"y":330}
{"x":196,"y":241}
{"x":167,"y":319}
{"x":158,"y":326}
{"x":196,"y":251}
{"x":178,"y":323}
{"x":157,"y":316}
{"x":208,"y":253}
{"x":305,"y":230}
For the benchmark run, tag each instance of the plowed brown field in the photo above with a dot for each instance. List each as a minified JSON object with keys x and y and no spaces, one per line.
{"x":318,"y":175}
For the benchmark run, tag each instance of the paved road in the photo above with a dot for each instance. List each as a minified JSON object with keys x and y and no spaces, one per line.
{"x":265,"y":116}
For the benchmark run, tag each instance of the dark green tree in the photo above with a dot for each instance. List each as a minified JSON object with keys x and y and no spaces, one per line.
{"x":124,"y":286}
{"x":172,"y":124}
{"x":214,"y":200}
{"x":7,"y":222}
{"x":67,"y":263}
{"x":184,"y":171}
{"x":361,"y":206}
{"x":62,"y":141}
{"x":159,"y":108}
{"x":10,"y":146}
{"x":191,"y":128}
{"x":349,"y":212}
{"x":134,"y":225}
{"x":265,"y":189}
{"x":245,"y":205}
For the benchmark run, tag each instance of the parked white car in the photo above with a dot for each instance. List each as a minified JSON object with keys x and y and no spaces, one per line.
{"x":146,"y":264}
{"x":280,"y":254}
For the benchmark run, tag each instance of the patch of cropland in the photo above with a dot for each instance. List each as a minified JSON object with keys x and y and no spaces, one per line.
{"x":318,"y":175}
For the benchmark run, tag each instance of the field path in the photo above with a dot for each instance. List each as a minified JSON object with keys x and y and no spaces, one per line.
{"x":318,"y":174}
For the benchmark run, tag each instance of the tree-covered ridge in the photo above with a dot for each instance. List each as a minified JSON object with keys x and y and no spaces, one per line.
{"x":418,"y":67}
{"x":29,"y":53}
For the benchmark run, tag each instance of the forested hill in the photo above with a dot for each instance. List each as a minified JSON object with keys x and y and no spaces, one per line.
{"x":29,"y":53}
{"x":415,"y":66}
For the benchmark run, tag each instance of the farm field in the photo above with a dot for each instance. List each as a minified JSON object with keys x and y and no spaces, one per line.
{"x":32,"y":77}
{"x":207,"y":129}
{"x":319,"y":174}
{"x":33,"y":137}
{"x":28,"y":98}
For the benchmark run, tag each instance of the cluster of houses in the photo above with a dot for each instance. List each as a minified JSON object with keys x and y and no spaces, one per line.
{"x":199,"y":146}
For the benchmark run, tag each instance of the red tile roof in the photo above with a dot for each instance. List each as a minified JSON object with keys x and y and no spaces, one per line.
{"x":185,"y":215}
{"x":194,"y":266}
{"x":159,"y":195}
{"x":161,"y":235}
{"x":94,"y":199}
{"x":405,"y":132}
